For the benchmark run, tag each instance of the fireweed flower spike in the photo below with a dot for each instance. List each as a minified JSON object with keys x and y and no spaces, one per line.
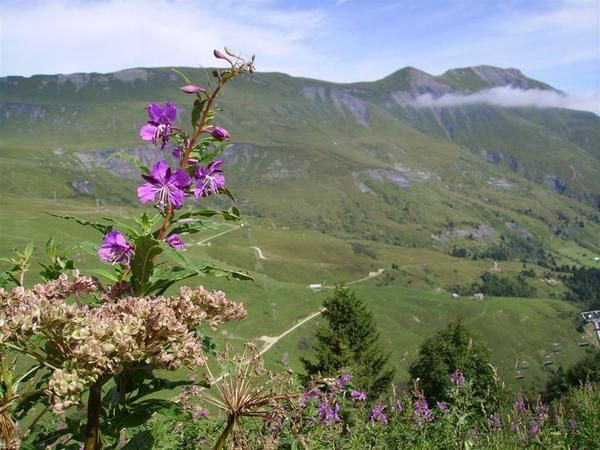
{"x":166,"y":186}
{"x":160,"y":124}
{"x":115,"y":249}
{"x":358,"y":395}
{"x":210,"y":179}
{"x":175,"y":241}
{"x":458,"y":378}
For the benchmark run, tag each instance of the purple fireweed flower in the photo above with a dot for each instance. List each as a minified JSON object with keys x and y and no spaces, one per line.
{"x":176,"y":152}
{"x":200,"y":412}
{"x":494,"y":422}
{"x":378,"y":414}
{"x":358,"y":395}
{"x":115,"y":249}
{"x":343,"y":380}
{"x":534,"y":430}
{"x":327,"y":414}
{"x":519,"y":404}
{"x":458,"y":378}
{"x":159,"y":127}
{"x":210,"y":179}
{"x":421,"y":413}
{"x":307,"y":396}
{"x":220,"y":134}
{"x":399,"y":406}
{"x":442,"y":406}
{"x":175,"y":241}
{"x":541,"y":410}
{"x":192,"y":89}
{"x":166,"y":186}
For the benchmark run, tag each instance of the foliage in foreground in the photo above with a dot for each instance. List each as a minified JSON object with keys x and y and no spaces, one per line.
{"x":334,"y":414}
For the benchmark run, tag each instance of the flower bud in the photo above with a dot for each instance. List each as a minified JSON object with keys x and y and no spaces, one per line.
{"x":216,"y":74}
{"x":193,"y":89}
{"x":220,"y":55}
{"x":220,"y":134}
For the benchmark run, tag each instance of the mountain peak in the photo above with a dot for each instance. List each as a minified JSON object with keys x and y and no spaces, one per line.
{"x":485,"y":77}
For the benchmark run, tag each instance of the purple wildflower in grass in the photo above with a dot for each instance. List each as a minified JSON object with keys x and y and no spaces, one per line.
{"x":61,"y":426}
{"x":175,"y":241}
{"x":200,"y":413}
{"x":309,"y":395}
{"x":573,"y":425}
{"x":541,"y":410}
{"x":474,"y":433}
{"x":514,"y":427}
{"x":210,"y":179}
{"x":399,"y":406}
{"x":160,"y":124}
{"x":275,"y":425}
{"x":457,"y":378}
{"x":327,"y":414}
{"x":343,"y":380}
{"x":494,"y":422}
{"x":442,"y":406}
{"x":164,"y":185}
{"x":378,"y":414}
{"x":421,"y":413}
{"x":519,"y":404}
{"x":115,"y":249}
{"x":534,"y":430}
{"x":358,"y":395}
{"x":220,"y":134}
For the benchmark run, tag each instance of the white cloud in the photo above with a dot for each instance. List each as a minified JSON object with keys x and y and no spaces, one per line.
{"x":62,"y":36}
{"x":510,"y":97}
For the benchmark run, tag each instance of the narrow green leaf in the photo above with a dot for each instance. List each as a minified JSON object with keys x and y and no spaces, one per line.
{"x":101,"y":227}
{"x":142,"y":264}
{"x":108,"y":275}
{"x":182,"y":76}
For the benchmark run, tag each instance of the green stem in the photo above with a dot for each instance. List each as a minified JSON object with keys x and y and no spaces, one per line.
{"x":225,"y":434}
{"x":92,"y":430}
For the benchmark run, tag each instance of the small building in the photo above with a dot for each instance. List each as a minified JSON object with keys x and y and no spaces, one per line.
{"x":315,"y":287}
{"x":479,"y":296}
{"x":455,"y":295}
{"x":597,"y":258}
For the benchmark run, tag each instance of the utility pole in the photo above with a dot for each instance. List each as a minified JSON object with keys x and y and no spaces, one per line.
{"x":594,"y":318}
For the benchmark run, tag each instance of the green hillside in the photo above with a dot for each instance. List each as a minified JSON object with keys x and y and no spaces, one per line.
{"x":336,"y":181}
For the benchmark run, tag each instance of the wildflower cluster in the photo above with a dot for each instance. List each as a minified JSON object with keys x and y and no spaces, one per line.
{"x":83,"y":345}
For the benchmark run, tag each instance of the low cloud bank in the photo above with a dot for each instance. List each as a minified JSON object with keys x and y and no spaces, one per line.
{"x":510,"y":97}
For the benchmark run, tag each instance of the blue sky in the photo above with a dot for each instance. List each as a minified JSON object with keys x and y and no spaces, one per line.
{"x":556,"y":41}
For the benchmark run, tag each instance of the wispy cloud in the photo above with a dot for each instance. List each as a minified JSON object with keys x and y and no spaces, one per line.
{"x":69,"y":36}
{"x":510,"y":97}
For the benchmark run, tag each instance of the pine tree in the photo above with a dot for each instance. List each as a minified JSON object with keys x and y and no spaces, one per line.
{"x":350,"y":341}
{"x":452,"y":348}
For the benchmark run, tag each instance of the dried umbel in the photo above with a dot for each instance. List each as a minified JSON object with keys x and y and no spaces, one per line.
{"x":246,"y":390}
{"x":90,"y":344}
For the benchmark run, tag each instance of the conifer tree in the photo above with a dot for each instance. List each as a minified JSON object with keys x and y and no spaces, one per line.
{"x":350,"y":341}
{"x":452,"y":348}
